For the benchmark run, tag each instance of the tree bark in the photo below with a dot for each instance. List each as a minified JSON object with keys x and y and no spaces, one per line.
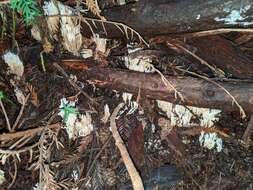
{"x":221,"y":53}
{"x":196,"y":92}
{"x":159,"y":17}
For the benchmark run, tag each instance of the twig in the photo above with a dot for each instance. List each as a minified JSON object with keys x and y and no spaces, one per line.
{"x":218,"y":72}
{"x":20,"y":113}
{"x":15,"y":174}
{"x":98,"y":154}
{"x":169,"y":84}
{"x":248,"y":131}
{"x":29,"y":132}
{"x":5,"y":115}
{"x":220,"y":31}
{"x":3,"y":151}
{"x":134,"y":175}
{"x":122,"y":27}
{"x":61,"y":70}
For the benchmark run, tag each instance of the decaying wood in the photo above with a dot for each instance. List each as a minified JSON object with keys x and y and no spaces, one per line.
{"x":155,"y":17}
{"x":196,"y":92}
{"x":223,"y":54}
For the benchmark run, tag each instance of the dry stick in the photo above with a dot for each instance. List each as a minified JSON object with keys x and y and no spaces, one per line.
{"x":20,"y":113}
{"x":121,"y":26}
{"x":3,"y":151}
{"x":15,"y":174}
{"x":17,"y":142}
{"x":219,"y":31}
{"x":218,"y":72}
{"x":98,"y":154}
{"x":248,"y":131}
{"x":29,"y":132}
{"x":5,"y":115}
{"x":169,"y":84}
{"x":61,"y":70}
{"x":134,"y":175}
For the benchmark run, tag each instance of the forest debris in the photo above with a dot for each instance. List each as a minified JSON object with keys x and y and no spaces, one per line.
{"x":247,"y":134}
{"x":70,"y":26}
{"x":36,"y":33}
{"x":84,"y":125}
{"x":107,"y":114}
{"x":133,"y":173}
{"x":50,"y":8}
{"x":138,"y":63}
{"x":210,"y":140}
{"x":20,"y":96}
{"x":100,"y":43}
{"x":132,"y":105}
{"x":34,"y":95}
{"x":77,"y":125}
{"x":170,"y":135}
{"x":136,"y":145}
{"x":86,"y":53}
{"x":84,"y":142}
{"x":70,"y":30}
{"x":16,"y":66}
{"x":2,"y":178}
{"x":28,"y":132}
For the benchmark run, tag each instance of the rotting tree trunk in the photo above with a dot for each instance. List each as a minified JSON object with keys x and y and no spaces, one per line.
{"x":158,"y":17}
{"x":196,"y":92}
{"x":221,"y":53}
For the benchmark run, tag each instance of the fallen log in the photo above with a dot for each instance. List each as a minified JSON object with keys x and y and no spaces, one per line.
{"x":221,"y":53}
{"x":159,"y":17}
{"x":196,"y":92}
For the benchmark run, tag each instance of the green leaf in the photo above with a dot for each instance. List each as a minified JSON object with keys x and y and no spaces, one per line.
{"x":28,"y":8}
{"x":67,"y":109}
{"x":4,"y":98}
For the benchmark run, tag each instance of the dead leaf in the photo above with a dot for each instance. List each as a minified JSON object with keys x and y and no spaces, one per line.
{"x":34,"y":95}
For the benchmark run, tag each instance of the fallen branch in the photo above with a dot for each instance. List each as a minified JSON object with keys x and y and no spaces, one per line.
{"x":134,"y":175}
{"x":196,"y":92}
{"x":29,"y":132}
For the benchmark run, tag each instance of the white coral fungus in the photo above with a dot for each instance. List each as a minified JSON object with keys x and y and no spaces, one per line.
{"x":210,"y":141}
{"x":75,"y":125}
{"x":70,"y":26}
{"x":183,"y":116}
{"x":14,"y":63}
{"x":2,"y":178}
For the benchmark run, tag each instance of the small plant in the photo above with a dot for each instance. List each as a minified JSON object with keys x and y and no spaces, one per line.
{"x":28,"y":8}
{"x":68,"y":109}
{"x":3,"y":97}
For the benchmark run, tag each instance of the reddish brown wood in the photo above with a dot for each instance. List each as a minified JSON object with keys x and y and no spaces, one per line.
{"x":196,"y":92}
{"x":221,"y":53}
